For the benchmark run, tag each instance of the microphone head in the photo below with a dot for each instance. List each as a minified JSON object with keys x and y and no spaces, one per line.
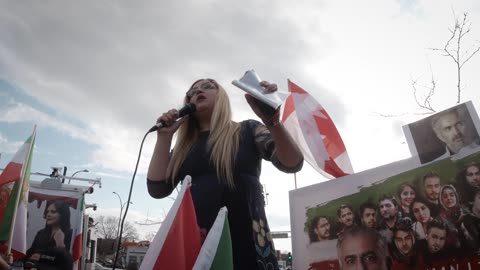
{"x":187,"y":109}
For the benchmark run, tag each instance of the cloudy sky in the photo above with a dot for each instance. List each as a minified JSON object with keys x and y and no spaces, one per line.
{"x":95,"y":75}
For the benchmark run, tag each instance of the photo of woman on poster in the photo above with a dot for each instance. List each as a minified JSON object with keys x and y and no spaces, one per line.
{"x":407,"y":194}
{"x":57,"y":231}
{"x":422,"y":214}
{"x":451,"y":209}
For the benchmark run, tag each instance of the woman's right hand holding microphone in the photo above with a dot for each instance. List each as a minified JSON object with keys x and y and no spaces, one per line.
{"x":170,"y":123}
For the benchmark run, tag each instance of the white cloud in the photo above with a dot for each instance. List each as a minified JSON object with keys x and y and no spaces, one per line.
{"x":110,"y":141}
{"x":8,"y":147}
{"x":20,"y":112}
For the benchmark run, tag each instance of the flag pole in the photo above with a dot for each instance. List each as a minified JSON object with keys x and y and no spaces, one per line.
{"x":20,"y":189}
{"x":295,"y":178}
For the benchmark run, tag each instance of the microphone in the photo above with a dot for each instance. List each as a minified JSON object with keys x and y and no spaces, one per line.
{"x":187,"y":109}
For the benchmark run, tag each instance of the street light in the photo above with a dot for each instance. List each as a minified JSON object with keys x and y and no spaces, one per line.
{"x":121,"y":211}
{"x":84,"y":170}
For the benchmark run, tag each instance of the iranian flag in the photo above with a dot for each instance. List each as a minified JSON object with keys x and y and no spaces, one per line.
{"x":315,"y":133}
{"x":177,"y":243}
{"x":14,"y":184}
{"x":78,"y":235}
{"x":216,"y":252}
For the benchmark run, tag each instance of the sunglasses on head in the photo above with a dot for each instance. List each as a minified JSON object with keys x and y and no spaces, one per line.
{"x":204,"y":86}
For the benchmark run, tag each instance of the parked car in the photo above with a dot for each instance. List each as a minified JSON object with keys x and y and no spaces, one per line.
{"x":98,"y":266}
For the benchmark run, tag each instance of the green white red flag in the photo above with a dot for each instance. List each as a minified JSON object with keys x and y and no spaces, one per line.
{"x":77,"y":244}
{"x":14,"y":185}
{"x":216,"y":252}
{"x":177,"y":243}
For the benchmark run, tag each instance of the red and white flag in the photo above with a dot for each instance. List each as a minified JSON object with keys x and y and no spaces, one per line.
{"x":177,"y":243}
{"x":316,"y":135}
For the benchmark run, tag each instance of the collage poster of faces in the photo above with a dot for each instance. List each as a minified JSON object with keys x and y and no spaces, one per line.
{"x":398,"y":216}
{"x":53,"y":218}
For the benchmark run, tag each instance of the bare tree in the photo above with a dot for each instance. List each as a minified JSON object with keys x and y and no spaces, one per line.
{"x":107,"y":228}
{"x":454,"y":50}
{"x":424,"y":99}
{"x":150,"y":235}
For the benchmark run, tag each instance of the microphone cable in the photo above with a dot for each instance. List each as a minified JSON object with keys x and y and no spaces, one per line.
{"x":119,"y":240}
{"x":186,"y":110}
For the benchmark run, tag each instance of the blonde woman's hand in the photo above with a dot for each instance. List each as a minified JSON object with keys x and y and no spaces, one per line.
{"x":170,"y":123}
{"x":270,"y":116}
{"x":269,"y":87}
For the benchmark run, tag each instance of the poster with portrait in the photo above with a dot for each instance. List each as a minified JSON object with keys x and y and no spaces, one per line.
{"x":397,"y":216}
{"x":55,"y":219}
{"x":440,"y":135}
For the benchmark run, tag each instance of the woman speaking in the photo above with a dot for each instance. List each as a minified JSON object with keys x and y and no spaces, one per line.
{"x":223,"y":158}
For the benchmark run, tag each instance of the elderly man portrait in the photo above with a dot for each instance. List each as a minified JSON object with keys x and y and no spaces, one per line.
{"x":360,"y":247}
{"x":452,"y":130}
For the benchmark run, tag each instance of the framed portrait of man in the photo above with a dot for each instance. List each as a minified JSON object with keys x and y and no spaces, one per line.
{"x":444,"y":134}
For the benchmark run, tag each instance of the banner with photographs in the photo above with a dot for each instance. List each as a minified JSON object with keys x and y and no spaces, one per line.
{"x":451,"y":131}
{"x":398,"y":216}
{"x":55,"y":220}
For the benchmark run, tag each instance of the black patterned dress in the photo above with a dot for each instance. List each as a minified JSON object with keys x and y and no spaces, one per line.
{"x":251,"y":240}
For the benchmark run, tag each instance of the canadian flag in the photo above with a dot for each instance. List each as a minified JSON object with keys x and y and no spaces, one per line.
{"x":314,"y":132}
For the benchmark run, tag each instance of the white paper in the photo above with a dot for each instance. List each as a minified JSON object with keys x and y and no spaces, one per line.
{"x":250,"y":83}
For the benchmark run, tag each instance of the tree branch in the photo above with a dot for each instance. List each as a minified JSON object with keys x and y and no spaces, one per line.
{"x":459,"y":32}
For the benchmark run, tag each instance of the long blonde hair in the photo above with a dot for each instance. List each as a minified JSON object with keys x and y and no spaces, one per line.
{"x":222,"y":142}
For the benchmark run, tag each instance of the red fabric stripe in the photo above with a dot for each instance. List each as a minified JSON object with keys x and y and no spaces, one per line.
{"x":289,"y":104}
{"x":295,"y":88}
{"x":11,"y":173}
{"x":327,"y":264}
{"x":183,"y":243}
{"x":289,"y":108}
{"x":332,"y":168}
{"x":332,"y":140}
{"x":77,"y":247}
{"x":16,"y":254}
{"x":331,"y":137}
